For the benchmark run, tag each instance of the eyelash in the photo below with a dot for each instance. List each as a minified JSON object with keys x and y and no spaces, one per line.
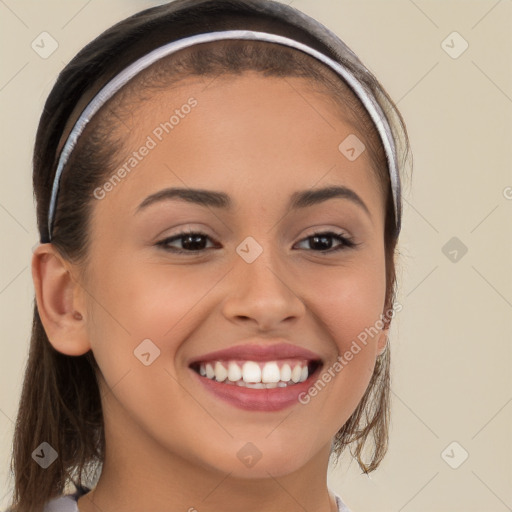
{"x":347,"y":243}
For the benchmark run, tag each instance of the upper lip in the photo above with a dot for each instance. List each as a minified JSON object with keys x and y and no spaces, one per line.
{"x":259,"y":351}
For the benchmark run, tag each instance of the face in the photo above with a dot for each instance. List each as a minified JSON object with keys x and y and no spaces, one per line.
{"x":251,"y":273}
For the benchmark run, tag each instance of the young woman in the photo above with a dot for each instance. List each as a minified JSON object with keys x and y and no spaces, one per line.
{"x":218,"y":199}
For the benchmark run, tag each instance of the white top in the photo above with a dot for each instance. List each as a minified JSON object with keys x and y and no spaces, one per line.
{"x":68,"y":503}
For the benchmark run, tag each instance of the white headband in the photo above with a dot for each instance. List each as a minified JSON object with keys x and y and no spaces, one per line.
{"x":139,"y":65}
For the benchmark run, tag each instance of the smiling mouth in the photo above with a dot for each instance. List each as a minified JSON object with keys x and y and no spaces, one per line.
{"x":257,"y":374}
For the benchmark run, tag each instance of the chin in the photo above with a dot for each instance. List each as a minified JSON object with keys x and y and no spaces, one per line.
{"x":252,"y":461}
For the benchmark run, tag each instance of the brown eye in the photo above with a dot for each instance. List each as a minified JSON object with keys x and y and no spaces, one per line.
{"x":323,"y":241}
{"x":191,"y":241}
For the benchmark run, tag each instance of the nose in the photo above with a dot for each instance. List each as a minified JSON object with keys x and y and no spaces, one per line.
{"x":262,"y":293}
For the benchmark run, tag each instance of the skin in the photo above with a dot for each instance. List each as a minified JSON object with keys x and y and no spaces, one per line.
{"x":170,"y":444}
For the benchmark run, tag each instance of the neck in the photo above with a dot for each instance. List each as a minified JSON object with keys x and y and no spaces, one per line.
{"x":177,"y":485}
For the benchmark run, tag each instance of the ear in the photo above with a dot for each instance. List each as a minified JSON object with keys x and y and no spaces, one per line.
{"x":59,"y":301}
{"x":382,"y":341}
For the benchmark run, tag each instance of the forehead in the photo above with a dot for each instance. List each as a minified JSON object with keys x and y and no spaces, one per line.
{"x":254,"y":136}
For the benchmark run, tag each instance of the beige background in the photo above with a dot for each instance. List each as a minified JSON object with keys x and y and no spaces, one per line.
{"x":451,"y":349}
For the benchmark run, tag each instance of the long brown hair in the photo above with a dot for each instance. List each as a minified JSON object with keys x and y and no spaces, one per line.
{"x":60,"y":400}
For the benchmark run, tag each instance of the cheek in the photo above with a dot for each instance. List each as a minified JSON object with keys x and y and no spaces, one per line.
{"x":348,"y":304}
{"x":140,"y":316}
{"x":348,"y":300}
{"x":134,"y":302}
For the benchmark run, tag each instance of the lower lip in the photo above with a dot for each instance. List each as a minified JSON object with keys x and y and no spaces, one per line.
{"x":273,"y":399}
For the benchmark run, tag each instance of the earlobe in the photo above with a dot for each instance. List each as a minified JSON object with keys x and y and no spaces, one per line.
{"x":55,"y":290}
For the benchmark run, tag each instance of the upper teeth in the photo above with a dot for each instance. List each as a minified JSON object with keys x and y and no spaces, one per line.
{"x":255,"y":372}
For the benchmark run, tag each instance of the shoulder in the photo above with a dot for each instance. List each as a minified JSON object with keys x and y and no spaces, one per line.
{"x":66,"y":503}
{"x":341,"y":506}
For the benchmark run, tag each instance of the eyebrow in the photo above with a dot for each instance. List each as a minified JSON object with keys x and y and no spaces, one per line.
{"x":211,"y":198}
